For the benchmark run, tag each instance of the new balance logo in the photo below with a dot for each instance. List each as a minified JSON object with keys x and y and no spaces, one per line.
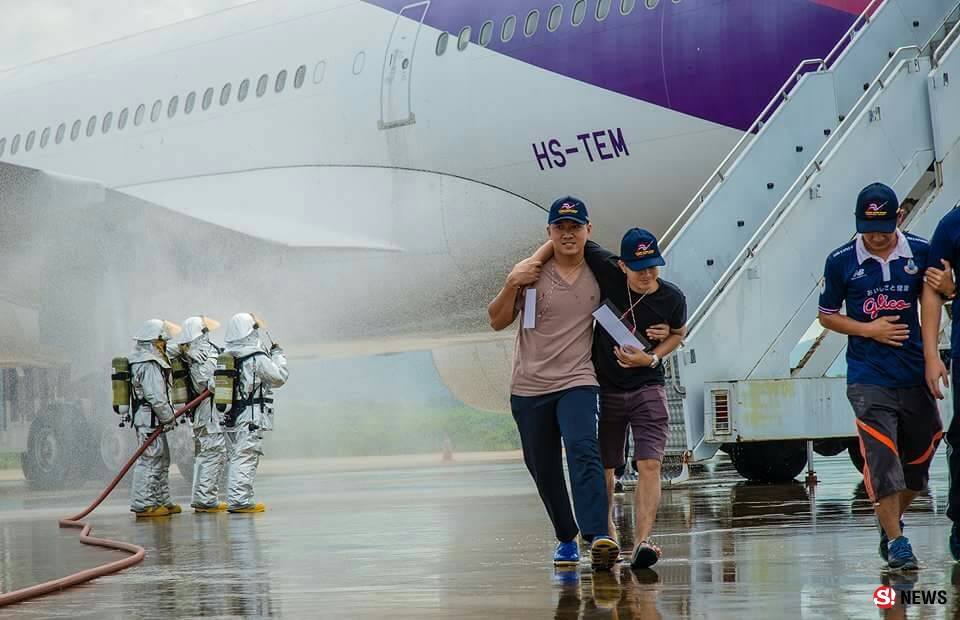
{"x":859,"y":273}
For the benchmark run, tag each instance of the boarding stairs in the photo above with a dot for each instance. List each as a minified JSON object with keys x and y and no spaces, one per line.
{"x":748,"y":250}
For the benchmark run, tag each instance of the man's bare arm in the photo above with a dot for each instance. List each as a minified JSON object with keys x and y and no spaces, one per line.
{"x":543,"y":253}
{"x":931,"y":305}
{"x":670,"y":344}
{"x":884,"y":329}
{"x":503,"y":309}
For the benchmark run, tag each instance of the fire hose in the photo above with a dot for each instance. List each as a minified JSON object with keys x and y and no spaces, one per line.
{"x":137,"y":552}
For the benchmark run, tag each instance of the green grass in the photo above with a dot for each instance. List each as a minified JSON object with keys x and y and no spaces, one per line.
{"x":9,"y":460}
{"x":303,"y":429}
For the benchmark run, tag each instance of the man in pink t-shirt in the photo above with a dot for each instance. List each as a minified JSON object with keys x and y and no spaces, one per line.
{"x":554,"y":393}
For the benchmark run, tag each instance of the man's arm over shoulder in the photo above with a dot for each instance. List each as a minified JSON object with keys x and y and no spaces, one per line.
{"x":602,"y":262}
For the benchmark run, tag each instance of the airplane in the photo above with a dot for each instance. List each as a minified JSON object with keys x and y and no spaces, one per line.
{"x":367,"y":171}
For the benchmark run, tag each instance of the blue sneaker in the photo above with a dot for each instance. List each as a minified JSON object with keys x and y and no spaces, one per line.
{"x":955,"y":542}
{"x":884,"y":551}
{"x":604,"y":553}
{"x":567,"y":554}
{"x":901,"y":555}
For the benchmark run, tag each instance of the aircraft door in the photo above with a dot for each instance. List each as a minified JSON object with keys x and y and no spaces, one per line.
{"x":396,"y":82}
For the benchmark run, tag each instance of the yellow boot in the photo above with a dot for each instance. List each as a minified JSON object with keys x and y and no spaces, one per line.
{"x":221,"y":507}
{"x":258,"y":507}
{"x":174,"y":509}
{"x":153,"y":511}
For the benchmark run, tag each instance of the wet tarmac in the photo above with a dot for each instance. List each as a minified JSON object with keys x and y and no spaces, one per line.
{"x":471,"y":540}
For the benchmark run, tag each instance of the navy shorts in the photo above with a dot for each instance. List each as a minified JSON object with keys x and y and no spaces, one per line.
{"x":899,"y":430}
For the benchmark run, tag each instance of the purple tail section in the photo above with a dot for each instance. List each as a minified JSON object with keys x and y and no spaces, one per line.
{"x":717,"y":60}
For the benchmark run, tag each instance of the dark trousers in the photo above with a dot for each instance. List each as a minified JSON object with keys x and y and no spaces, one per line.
{"x":571,"y":416}
{"x":953,"y":448}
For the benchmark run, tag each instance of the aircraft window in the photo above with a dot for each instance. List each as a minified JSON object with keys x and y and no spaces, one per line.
{"x":138,"y":115}
{"x":61,"y":131}
{"x":75,"y":130}
{"x":225,"y":94}
{"x":627,"y":6}
{"x":442,"y":41}
{"x":15,"y":145}
{"x":486,"y":33}
{"x":281,"y":81}
{"x":652,"y":4}
{"x":579,"y":12}
{"x":207,"y":98}
{"x":532,"y":23}
{"x":122,"y":120}
{"x":359,"y":62}
{"x":464,"y":39}
{"x":190,"y":101}
{"x":508,"y":28}
{"x":262,"y":84}
{"x":31,"y":138}
{"x":107,"y":122}
{"x":3,"y":146}
{"x":172,"y":106}
{"x":243,"y":90}
{"x":300,"y":76}
{"x":91,"y":126}
{"x":555,"y":17}
{"x":603,"y":9}
{"x":45,"y":138}
{"x":155,"y":112}
{"x":319,"y":71}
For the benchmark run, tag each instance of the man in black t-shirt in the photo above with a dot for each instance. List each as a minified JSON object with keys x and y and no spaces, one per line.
{"x":632,"y":385}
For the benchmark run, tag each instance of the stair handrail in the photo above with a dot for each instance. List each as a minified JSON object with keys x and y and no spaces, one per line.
{"x":862,"y":20}
{"x":781,"y":96}
{"x":816,"y":165}
{"x":945,"y":45}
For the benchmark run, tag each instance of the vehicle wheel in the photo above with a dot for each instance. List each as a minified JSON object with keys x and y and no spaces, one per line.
{"x":769,"y":461}
{"x":116,"y":446}
{"x":54,"y":458}
{"x":829,"y":447}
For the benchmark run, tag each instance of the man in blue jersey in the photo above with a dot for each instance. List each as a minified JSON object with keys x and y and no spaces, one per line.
{"x":939,"y":287}
{"x":879,"y":278}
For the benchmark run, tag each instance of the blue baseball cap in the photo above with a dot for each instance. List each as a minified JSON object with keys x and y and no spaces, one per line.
{"x":877,"y":209}
{"x":639,"y":250}
{"x":568,"y":208}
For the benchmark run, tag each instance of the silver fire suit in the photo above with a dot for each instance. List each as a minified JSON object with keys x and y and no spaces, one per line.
{"x":211,"y":457}
{"x":149,"y":371}
{"x":259,"y":373}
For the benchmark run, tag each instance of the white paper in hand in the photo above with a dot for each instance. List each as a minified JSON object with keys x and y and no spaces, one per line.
{"x":530,"y":309}
{"x":617,"y":330}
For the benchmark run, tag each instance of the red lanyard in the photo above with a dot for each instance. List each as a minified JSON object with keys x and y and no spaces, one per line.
{"x":630,"y":310}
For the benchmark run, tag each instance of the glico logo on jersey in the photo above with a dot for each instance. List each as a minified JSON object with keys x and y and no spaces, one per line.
{"x":644,"y":249}
{"x":873,"y":306}
{"x":875,"y":210}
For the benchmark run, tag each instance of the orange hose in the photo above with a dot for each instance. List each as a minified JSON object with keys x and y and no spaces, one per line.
{"x":138,"y":552}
